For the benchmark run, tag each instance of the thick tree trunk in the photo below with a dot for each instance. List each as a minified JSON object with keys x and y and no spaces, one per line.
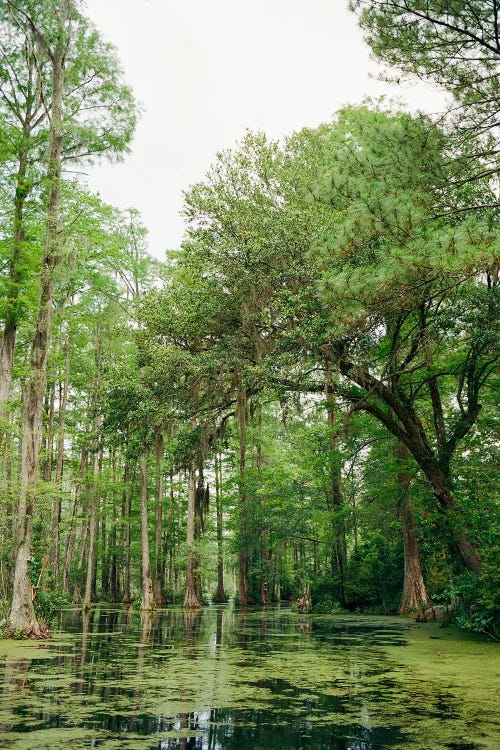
{"x":22,"y":613}
{"x":7,"y":349}
{"x":191,"y":601}
{"x":404,"y":424}
{"x":459,"y":534}
{"x":147,"y":583}
{"x":414,"y":596}
{"x":335,"y":500}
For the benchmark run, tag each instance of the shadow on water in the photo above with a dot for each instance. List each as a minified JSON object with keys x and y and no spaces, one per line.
{"x":222,"y":679}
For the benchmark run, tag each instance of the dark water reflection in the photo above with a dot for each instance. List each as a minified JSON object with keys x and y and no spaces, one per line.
{"x":225,"y":680}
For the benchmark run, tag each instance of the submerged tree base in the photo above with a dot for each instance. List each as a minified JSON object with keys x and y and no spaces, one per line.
{"x":33,"y":630}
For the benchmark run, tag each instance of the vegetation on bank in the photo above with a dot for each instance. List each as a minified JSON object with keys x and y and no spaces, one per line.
{"x":299,"y":403}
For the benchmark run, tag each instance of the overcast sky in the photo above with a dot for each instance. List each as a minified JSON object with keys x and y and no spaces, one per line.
{"x":205,"y":71}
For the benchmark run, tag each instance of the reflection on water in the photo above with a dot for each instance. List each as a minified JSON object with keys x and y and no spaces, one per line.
{"x":220,"y":679}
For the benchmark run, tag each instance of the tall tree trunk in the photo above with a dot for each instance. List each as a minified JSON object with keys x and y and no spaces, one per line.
{"x":49,"y":441}
{"x":56,"y":509}
{"x":160,"y":491}
{"x":126,"y":511}
{"x":191,"y":601}
{"x":94,"y":497}
{"x":263,"y":548}
{"x":243,"y":583}
{"x":71,"y":536}
{"x":22,"y":614}
{"x":9,"y":335}
{"x":334,"y":493}
{"x":220,"y":594}
{"x":104,"y":551}
{"x":114,"y":574}
{"x":147,"y":583}
{"x":414,"y":596}
{"x":201,"y":508}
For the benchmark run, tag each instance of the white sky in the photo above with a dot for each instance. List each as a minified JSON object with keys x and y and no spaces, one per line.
{"x":207,"y":70}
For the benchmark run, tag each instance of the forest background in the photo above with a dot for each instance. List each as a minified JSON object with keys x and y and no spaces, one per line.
{"x":298,"y":403}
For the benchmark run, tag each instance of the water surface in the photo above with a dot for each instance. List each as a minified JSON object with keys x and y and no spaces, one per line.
{"x":228,"y":680}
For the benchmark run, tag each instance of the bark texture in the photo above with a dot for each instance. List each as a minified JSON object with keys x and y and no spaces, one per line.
{"x":414,"y":597}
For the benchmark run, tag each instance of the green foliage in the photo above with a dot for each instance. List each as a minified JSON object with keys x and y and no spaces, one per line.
{"x":375,"y":576}
{"x":48,"y":605}
{"x":476,"y":599}
{"x":456,"y":45}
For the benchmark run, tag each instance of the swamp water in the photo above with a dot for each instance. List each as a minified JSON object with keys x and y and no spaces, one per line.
{"x":254,"y":680}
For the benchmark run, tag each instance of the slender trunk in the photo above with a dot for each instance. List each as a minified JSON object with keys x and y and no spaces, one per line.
{"x":126,"y":509}
{"x":114,"y":576}
{"x":147,"y":583}
{"x":191,"y":601}
{"x":56,"y":510}
{"x":414,"y":596}
{"x":22,"y":615}
{"x":70,"y":543}
{"x":160,"y":491}
{"x":87,"y":599}
{"x":220,"y":595}
{"x":263,"y":550}
{"x":243,"y":584}
{"x":71,"y":537}
{"x":49,"y":442}
{"x":200,"y":509}
{"x":104,"y":551}
{"x":168,"y":544}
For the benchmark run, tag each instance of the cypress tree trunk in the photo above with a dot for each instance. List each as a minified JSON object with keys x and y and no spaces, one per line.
{"x":90,"y":577}
{"x":191,"y":601}
{"x":334,"y":495}
{"x":220,"y":595}
{"x":414,"y":596}
{"x":114,"y":574}
{"x":159,"y":558}
{"x":56,"y":510}
{"x":71,"y":536}
{"x":126,"y":509}
{"x":22,"y":613}
{"x":49,"y":441}
{"x":147,"y":583}
{"x":104,"y":556}
{"x":243,"y":584}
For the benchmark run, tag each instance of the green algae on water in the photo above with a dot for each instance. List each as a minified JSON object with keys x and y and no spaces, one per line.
{"x":229,"y":679}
